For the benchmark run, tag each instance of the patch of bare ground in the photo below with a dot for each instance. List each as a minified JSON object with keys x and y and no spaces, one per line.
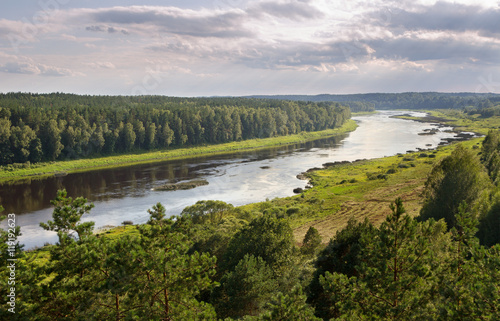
{"x":375,"y":207}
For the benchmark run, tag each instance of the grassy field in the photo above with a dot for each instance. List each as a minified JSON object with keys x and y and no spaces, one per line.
{"x":8,"y":173}
{"x":362,"y":189}
{"x":460,"y":121}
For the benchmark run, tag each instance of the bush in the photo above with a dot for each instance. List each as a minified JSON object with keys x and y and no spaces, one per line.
{"x":292,"y":210}
{"x":127,"y":223}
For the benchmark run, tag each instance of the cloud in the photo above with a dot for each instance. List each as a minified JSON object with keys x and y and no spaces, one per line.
{"x":25,"y":65}
{"x":20,"y":68}
{"x":108,"y":29}
{"x":447,"y":16}
{"x":102,"y":65}
{"x":225,"y":24}
{"x":330,"y":38}
{"x":450,"y":49}
{"x":52,"y":71}
{"x":293,"y":10}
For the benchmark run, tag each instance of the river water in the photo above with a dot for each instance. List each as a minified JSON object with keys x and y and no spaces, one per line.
{"x":240,"y":178}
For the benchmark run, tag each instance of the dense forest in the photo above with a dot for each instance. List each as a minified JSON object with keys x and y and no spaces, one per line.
{"x":218,"y":262}
{"x":47,"y":127}
{"x":411,"y":100}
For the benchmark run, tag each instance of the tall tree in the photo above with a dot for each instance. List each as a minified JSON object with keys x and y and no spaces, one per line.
{"x":457,"y":178}
{"x":395,"y":276}
{"x":247,"y":289}
{"x":267,"y":236}
{"x":51,"y":140}
{"x":5,"y":150}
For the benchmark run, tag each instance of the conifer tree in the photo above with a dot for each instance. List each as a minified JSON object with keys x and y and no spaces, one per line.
{"x":394,"y":279}
{"x":67,"y":215}
{"x":457,"y":178}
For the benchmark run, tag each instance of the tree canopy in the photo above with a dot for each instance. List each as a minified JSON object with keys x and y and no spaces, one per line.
{"x":36,"y":127}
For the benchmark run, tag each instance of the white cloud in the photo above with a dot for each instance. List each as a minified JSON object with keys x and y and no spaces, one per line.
{"x":319,"y":38}
{"x":25,"y":65}
{"x":102,"y":65}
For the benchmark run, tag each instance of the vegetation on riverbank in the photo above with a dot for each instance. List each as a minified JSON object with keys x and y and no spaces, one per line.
{"x":65,"y":167}
{"x":358,"y":190}
{"x":461,"y":121}
{"x":50,"y":127}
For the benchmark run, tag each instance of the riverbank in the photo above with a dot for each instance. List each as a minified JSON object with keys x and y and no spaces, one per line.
{"x":361,"y":190}
{"x":458,"y":120}
{"x":59,"y":168}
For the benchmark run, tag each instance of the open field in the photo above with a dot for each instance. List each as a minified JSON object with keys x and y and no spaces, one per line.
{"x":365,"y":197}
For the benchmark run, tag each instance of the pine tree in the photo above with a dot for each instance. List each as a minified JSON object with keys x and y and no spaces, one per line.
{"x":394,"y":276}
{"x":67,"y":214}
{"x":247,"y":289}
{"x":311,"y":242}
{"x":293,"y":306}
{"x":457,"y":178}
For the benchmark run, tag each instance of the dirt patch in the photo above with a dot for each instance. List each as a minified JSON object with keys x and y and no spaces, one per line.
{"x":375,"y":208}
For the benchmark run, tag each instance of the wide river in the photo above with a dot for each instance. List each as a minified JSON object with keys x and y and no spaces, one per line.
{"x":240,"y":178}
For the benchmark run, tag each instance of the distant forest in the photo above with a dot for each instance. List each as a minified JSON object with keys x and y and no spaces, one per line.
{"x":410,"y":100}
{"x":48,"y":127}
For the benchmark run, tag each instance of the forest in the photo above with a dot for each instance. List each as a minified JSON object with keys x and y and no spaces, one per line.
{"x":410,"y":100}
{"x":49,"y":127}
{"x":219,"y":262}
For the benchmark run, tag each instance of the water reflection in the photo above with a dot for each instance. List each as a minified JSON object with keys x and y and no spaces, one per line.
{"x":134,"y":181}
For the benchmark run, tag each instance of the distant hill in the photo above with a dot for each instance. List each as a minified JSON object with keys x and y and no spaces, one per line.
{"x":410,"y":100}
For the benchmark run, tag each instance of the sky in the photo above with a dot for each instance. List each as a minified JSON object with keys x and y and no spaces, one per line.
{"x":243,"y":47}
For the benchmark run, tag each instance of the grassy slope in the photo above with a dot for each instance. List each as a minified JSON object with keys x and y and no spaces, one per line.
{"x":48,"y":169}
{"x":332,"y":204}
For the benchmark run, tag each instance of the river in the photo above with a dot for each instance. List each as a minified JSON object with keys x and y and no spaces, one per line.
{"x":240,"y":178}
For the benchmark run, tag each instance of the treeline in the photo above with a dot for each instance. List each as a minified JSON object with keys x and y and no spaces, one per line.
{"x":217,"y":262}
{"x":39,"y":127}
{"x":360,"y":106}
{"x":410,"y":100}
{"x":486,"y":108}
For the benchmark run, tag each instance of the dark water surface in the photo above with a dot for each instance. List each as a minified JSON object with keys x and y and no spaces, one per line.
{"x":240,"y":178}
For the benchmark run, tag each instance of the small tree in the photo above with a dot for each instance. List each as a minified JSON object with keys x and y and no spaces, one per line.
{"x":207,"y":211}
{"x":292,"y":306}
{"x":311,"y":242}
{"x":66,"y":216}
{"x":342,"y":255}
{"x":248,"y":288}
